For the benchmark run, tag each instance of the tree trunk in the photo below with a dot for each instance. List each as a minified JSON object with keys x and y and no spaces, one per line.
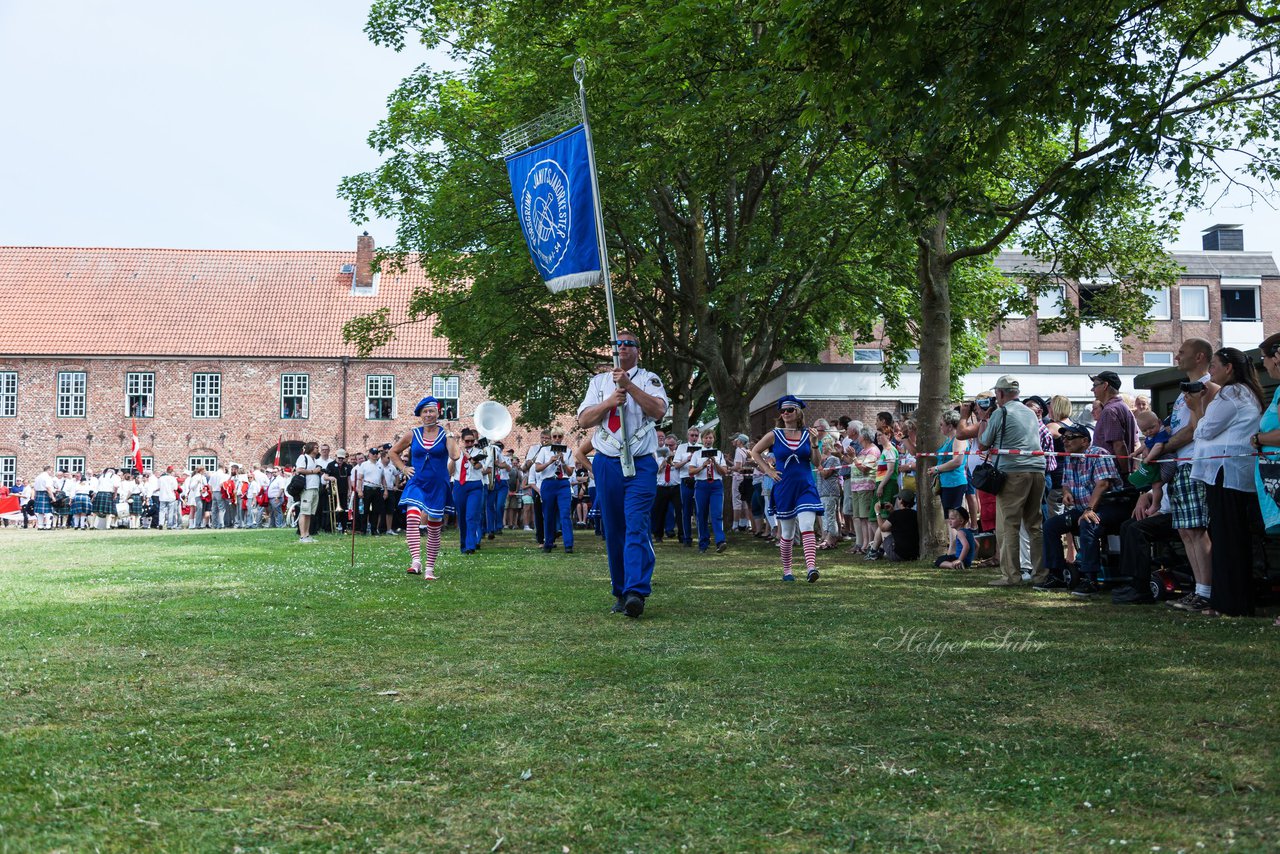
{"x":734,"y":415}
{"x":935,"y":376}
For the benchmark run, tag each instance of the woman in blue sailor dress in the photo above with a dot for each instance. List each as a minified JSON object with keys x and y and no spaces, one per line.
{"x":795,"y":497}
{"x":431,"y":452}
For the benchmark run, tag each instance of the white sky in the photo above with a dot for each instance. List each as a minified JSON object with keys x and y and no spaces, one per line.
{"x":221,"y":125}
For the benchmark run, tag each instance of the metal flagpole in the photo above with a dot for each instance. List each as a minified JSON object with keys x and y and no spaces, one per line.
{"x":579,"y":74}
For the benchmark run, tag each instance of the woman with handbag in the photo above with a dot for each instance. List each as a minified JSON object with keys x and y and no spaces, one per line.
{"x":1224,"y":461}
{"x":952,"y":478}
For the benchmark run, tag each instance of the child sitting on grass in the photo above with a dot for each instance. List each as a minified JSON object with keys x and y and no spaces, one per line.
{"x":901,"y":530}
{"x":965,"y":544}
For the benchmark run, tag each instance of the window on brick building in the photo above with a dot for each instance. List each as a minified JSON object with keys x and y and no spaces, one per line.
{"x":1015,"y":357}
{"x":1156,"y":360}
{"x":206,"y":394}
{"x":1052,"y":357}
{"x":1049,"y":302}
{"x":147,"y":463}
{"x":380,"y":397}
{"x":209,"y":463}
{"x":1195,"y":302}
{"x":1100,"y":357}
{"x":72,"y":465}
{"x":1240,"y":304}
{"x":295,"y":394}
{"x":8,"y":394}
{"x":445,"y":390}
{"x":1159,"y":303}
{"x":8,"y":471}
{"x":140,"y":393}
{"x":868,"y":356}
{"x":71,"y":388}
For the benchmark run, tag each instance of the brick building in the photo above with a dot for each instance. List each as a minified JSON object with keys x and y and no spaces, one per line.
{"x":1225,"y":294}
{"x":217,"y":355}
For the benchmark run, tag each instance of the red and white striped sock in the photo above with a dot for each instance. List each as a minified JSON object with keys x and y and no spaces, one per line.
{"x":411,"y":535}
{"x":433,"y":542}
{"x":786,"y":557}
{"x":810,"y":542}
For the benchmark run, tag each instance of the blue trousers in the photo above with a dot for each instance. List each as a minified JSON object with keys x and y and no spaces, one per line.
{"x":495,"y":504}
{"x":556,"y":504}
{"x":468,"y":501}
{"x":688,"y":507}
{"x":1092,"y":535}
{"x":625,"y":507}
{"x":709,"y":495}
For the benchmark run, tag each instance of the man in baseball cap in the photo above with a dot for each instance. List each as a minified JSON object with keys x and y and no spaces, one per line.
{"x":1116,"y":430}
{"x":1111,"y":378}
{"x":1011,"y":426}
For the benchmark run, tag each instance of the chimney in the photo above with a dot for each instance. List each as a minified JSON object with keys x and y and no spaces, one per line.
{"x":364,"y":261}
{"x":1223,"y":237}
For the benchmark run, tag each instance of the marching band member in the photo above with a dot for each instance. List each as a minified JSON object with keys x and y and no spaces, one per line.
{"x":688,"y":505}
{"x":708,"y":470}
{"x":795,"y":498}
{"x":669,"y":475}
{"x":554,"y":466}
{"x":627,"y":392}
{"x":432,"y":454}
{"x":469,"y":492}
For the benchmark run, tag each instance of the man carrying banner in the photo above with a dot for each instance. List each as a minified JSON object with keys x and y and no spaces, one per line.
{"x":635,"y":396}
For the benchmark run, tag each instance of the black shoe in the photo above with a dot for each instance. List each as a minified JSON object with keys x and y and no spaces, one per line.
{"x":1051,"y":584}
{"x":813,"y":575}
{"x":568,"y":550}
{"x":491,"y":536}
{"x":546,"y":550}
{"x":1129,"y":595}
{"x":720,"y":547}
{"x":618,"y":606}
{"x":657,"y":540}
{"x":688,"y":544}
{"x":634,"y":606}
{"x":1085,"y":589}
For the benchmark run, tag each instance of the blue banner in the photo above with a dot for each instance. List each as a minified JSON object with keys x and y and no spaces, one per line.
{"x":551,"y":184}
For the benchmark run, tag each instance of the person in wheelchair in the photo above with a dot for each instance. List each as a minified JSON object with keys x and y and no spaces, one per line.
{"x":1086,"y":483}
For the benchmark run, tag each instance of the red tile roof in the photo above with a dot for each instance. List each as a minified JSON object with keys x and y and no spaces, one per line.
{"x":200,"y":303}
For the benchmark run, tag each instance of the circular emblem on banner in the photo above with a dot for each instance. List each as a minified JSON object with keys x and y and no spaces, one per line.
{"x":545,"y":213}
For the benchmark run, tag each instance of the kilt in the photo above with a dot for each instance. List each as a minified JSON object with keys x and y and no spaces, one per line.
{"x":135,"y":503}
{"x":80,"y":505}
{"x":43,"y":503}
{"x":65,"y":509}
{"x":104,"y":503}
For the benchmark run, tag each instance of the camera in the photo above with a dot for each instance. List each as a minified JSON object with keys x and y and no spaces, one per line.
{"x":1191,"y":388}
{"x":984,"y":403}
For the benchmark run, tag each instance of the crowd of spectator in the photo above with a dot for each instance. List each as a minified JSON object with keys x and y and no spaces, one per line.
{"x":1065,"y":487}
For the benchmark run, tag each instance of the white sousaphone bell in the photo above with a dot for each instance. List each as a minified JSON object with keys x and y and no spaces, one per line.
{"x":493,"y":422}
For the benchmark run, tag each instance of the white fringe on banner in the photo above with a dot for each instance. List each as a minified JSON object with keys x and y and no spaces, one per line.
{"x":585,"y":279}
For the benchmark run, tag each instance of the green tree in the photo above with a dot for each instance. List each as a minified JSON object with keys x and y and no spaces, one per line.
{"x":995,"y":121}
{"x":737,"y":237}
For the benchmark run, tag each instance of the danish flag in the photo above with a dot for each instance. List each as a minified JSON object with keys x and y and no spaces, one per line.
{"x":137,"y":450}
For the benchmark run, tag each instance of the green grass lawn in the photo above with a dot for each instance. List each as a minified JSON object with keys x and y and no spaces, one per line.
{"x":235,"y":690}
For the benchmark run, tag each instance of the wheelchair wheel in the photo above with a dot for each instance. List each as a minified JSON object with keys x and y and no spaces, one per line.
{"x":1161,"y":585}
{"x":1071,"y":575}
